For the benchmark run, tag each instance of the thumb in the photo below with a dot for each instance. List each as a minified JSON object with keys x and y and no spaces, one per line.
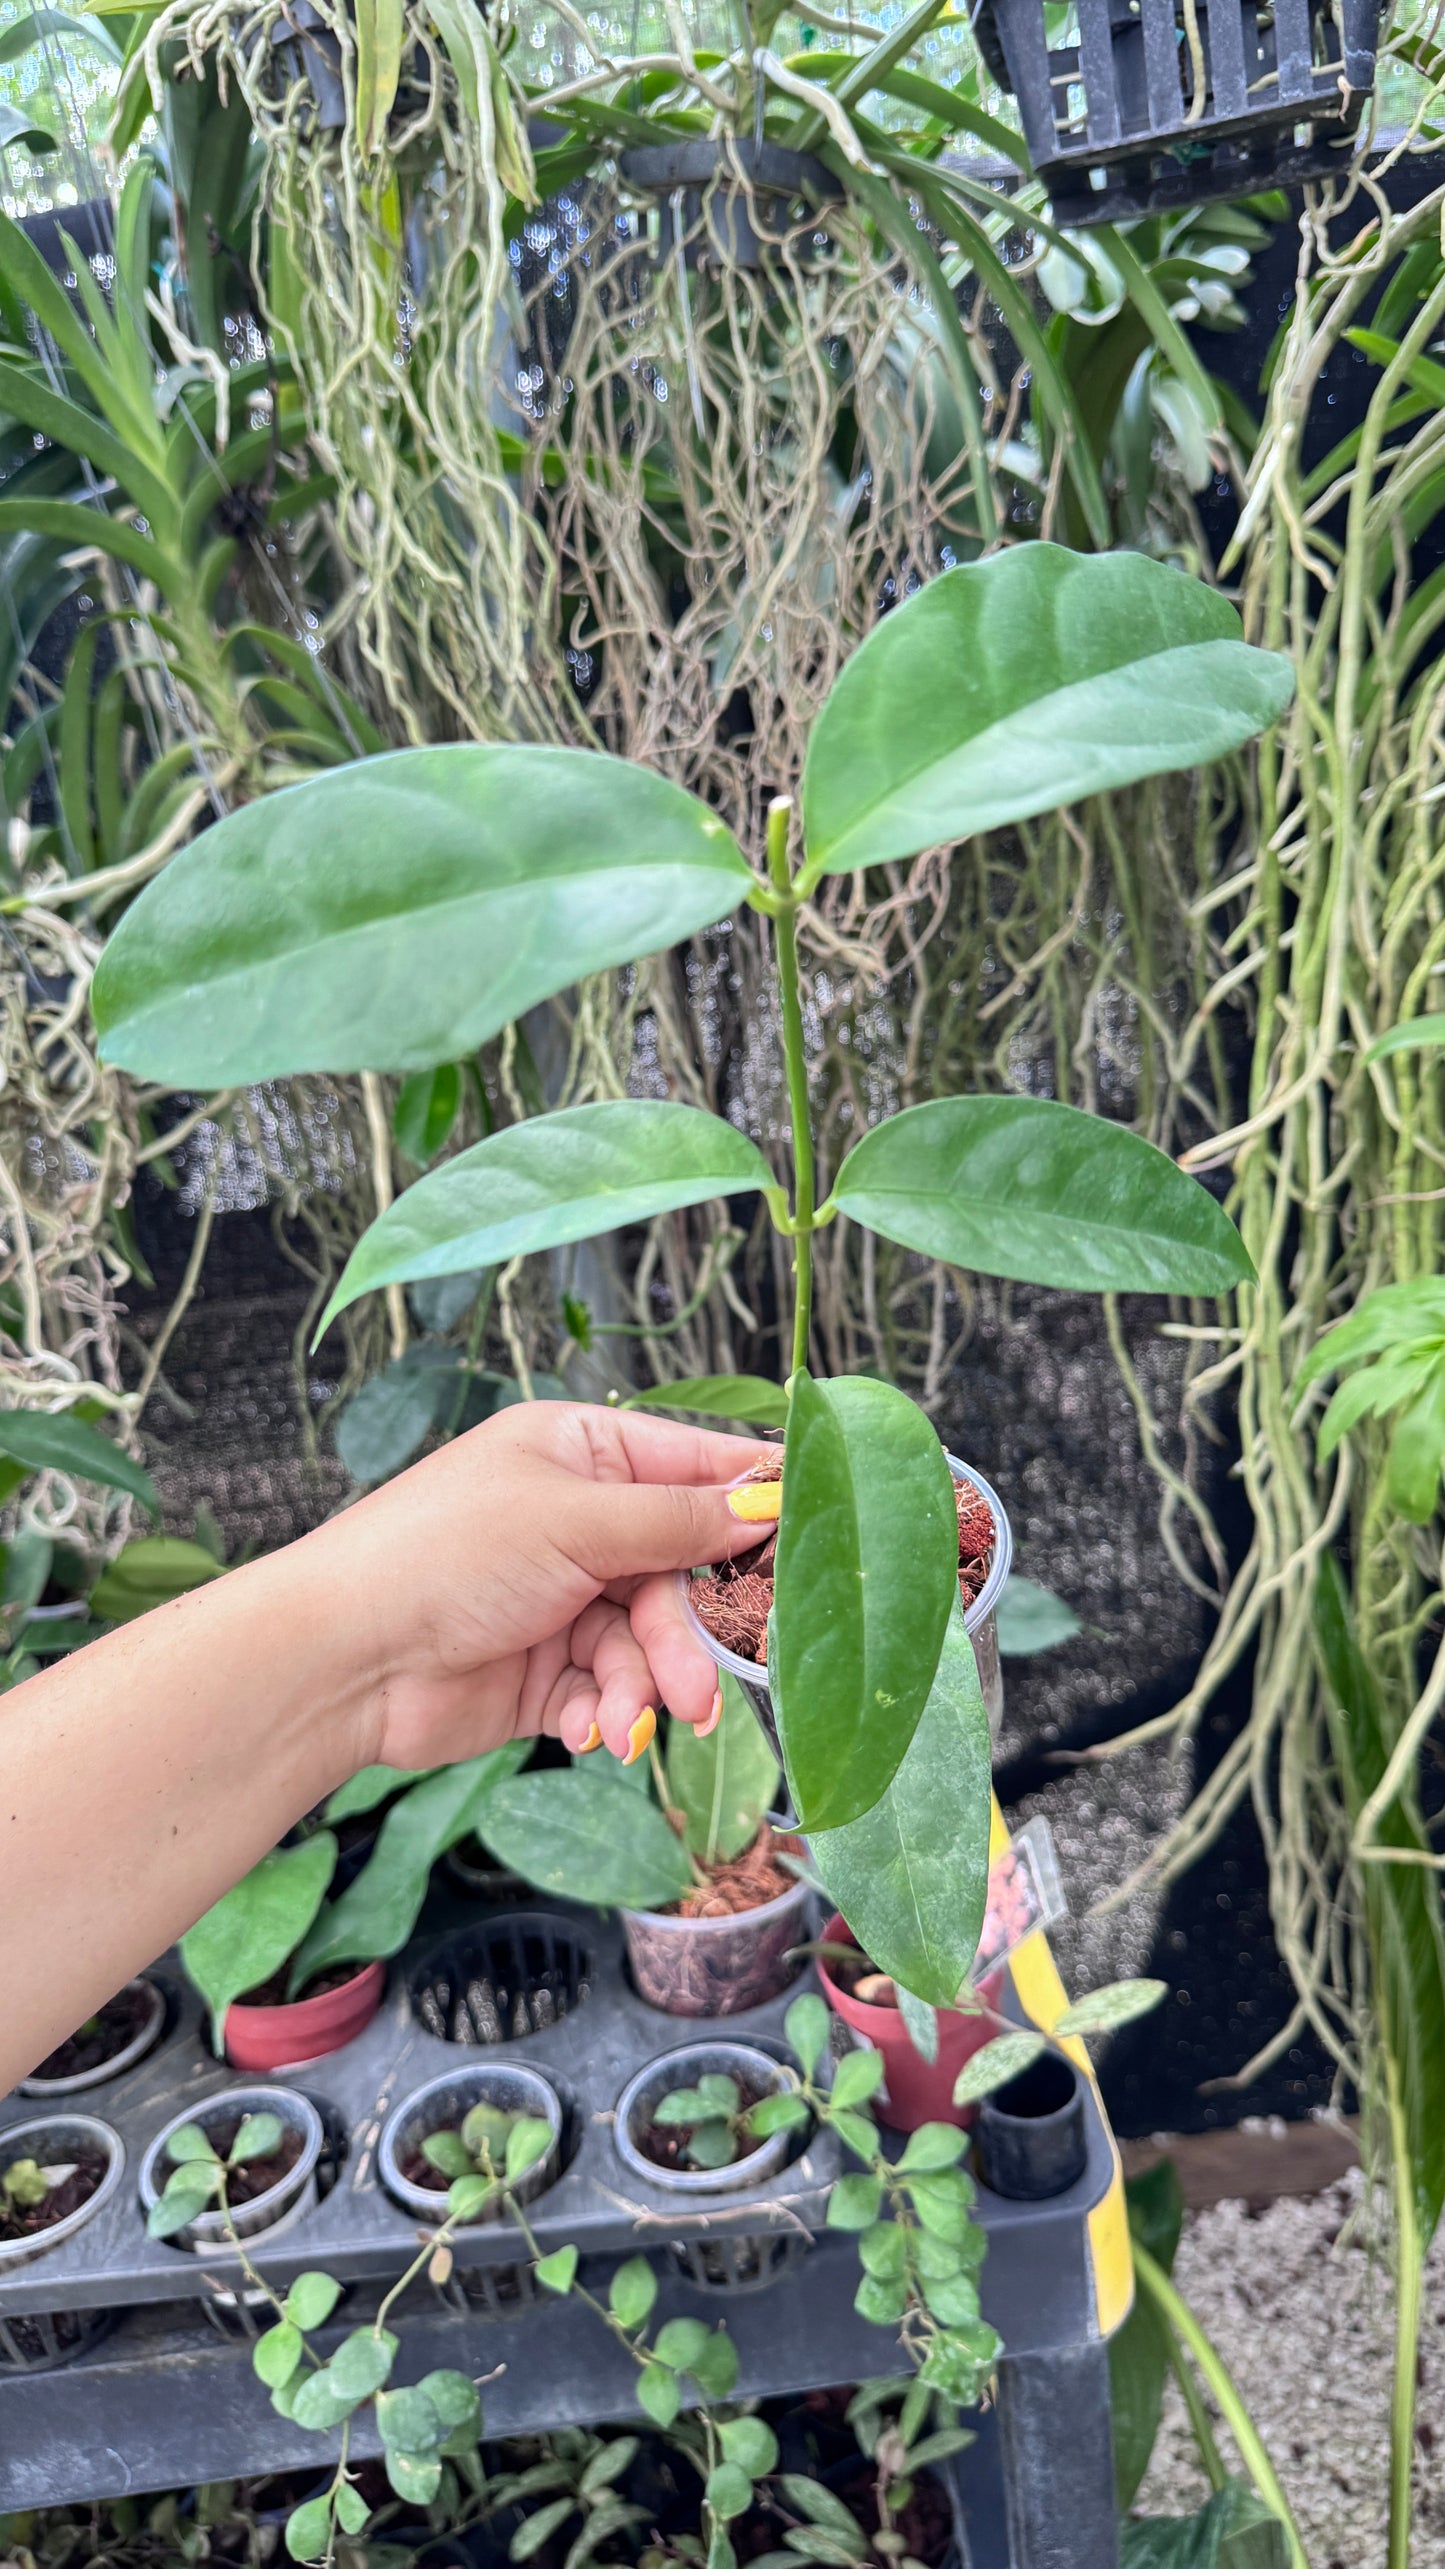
{"x":623,"y":1530}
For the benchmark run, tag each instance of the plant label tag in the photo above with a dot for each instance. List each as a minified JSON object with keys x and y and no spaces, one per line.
{"x":1024,"y":1894}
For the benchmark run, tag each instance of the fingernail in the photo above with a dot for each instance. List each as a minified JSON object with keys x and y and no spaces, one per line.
{"x":593,"y":1740}
{"x":639,"y":1738}
{"x":757,"y":1502}
{"x":705,"y":1729}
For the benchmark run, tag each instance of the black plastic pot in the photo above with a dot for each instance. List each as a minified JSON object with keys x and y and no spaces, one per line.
{"x":1171,"y":102}
{"x":1030,"y":2137}
{"x":729,"y":203}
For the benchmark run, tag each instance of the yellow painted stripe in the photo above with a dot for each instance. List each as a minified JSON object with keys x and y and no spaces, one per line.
{"x":1043,"y":1998}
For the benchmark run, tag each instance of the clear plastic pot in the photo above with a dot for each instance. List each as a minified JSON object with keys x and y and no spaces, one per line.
{"x":126,"y":2058}
{"x":40,"y":2341}
{"x":980,"y":1619}
{"x":283,"y":2203}
{"x":441,"y":2106}
{"x":644,"y":2092}
{"x":718,"y":1966}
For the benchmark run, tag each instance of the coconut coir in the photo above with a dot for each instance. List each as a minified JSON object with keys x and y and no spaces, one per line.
{"x":746,"y":1881}
{"x":735,"y":1600}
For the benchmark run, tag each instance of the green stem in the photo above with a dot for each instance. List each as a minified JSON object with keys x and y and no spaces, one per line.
{"x":1175,"y":2311}
{"x":1203,"y":2433}
{"x":1408,"y":2277}
{"x":796,"y":1061}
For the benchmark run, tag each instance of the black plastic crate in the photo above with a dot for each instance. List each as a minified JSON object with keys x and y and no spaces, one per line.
{"x":1161,"y":103}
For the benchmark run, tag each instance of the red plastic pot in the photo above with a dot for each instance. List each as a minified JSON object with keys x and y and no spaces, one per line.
{"x":917,"y":2091}
{"x":272,"y":2038}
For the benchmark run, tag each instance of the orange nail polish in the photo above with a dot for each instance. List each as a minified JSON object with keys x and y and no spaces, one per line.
{"x":705,"y":1729}
{"x":639,"y":1738}
{"x":757,"y":1502}
{"x":593,"y":1740}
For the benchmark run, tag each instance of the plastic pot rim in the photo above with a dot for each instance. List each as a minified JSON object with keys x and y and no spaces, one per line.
{"x":755,"y":2169}
{"x":205,"y":2236}
{"x":752,"y":1673}
{"x":429,"y":2203}
{"x":22,"y":2252}
{"x":126,"y":2058}
{"x":730,"y":1923}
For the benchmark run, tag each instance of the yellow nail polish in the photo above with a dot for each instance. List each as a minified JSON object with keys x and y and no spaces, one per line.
{"x":593,"y":1740}
{"x":705,"y":1729}
{"x":757,"y":1502}
{"x":639,"y":1738}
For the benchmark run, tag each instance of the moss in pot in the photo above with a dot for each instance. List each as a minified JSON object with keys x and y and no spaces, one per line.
{"x":292,"y":1968}
{"x":712,"y":1907}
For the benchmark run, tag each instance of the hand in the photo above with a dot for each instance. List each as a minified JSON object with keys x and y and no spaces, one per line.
{"x":519,"y":1581}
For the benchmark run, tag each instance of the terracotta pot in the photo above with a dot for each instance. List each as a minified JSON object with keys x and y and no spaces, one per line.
{"x":272,"y":2038}
{"x":917,"y":2091}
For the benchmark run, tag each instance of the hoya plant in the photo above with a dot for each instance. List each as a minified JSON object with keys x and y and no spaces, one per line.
{"x":394,"y":915}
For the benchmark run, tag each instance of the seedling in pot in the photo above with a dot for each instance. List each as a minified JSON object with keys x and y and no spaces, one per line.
{"x":204,"y":2177}
{"x":486,"y":2153}
{"x":500,"y":875}
{"x":717,"y":2124}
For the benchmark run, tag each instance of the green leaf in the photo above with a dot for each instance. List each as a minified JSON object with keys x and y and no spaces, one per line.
{"x":866,"y":1576}
{"x":308,"y":2529}
{"x":858,"y":2076}
{"x":312,"y":2299}
{"x":17,"y":127}
{"x":819,"y":2505}
{"x":55,"y":1441}
{"x":391,"y":1417}
{"x":447,"y":2152}
{"x":402,"y":911}
{"x":538,"y":2529}
{"x":685,"y":2105}
{"x":994,"y":2064}
{"x":251,"y":1930}
{"x":920,"y":2020}
{"x":528,"y":2141}
{"x":175,"y":2210}
{"x":959,"y":2362}
{"x":1117,"y":2003}
{"x":362,"y":2363}
{"x":883,"y":2250}
{"x":1031,"y":1619}
{"x":189,"y":2144}
{"x":911,"y":1876}
{"x":751,"y":2443}
{"x":409,"y":2419}
{"x":1234,"y":2530}
{"x":1017,"y":684}
{"x":352,"y":2512}
{"x":608,"y":2464}
{"x":150,"y":1573}
{"x":1401,"y":1902}
{"x":632,"y":2292}
{"x":806,"y":2028}
{"x":944,"y":2205}
{"x":1417,"y":1450}
{"x":426,"y":1110}
{"x":259,"y":2136}
{"x":439,"y":1302}
{"x":729,"y":2491}
{"x":854,"y":2201}
{"x":858,"y":2131}
{"x":456,"y":2401}
{"x":553,"y":1179}
{"x":363,"y":1791}
{"x":318,"y":2405}
{"x":415,"y":2476}
{"x":931,"y":2147}
{"x":588,"y":1836}
{"x":714,"y":2367}
{"x":275,"y":2356}
{"x":1416,"y":1034}
{"x":1025,"y":1188}
{"x":724,"y":1784}
{"x":953,"y":2299}
{"x":783,"y":2113}
{"x":1139,"y":2356}
{"x":881,"y":2298}
{"x":682,"y":2343}
{"x":557,"y":2272}
{"x":467,"y":2196}
{"x":659,"y":2393}
{"x":746,"y":1396}
{"x":711,"y":2145}
{"x":375,"y":1914}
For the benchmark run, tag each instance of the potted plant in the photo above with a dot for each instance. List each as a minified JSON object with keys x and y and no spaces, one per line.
{"x":498,"y":875}
{"x":682,"y":1846}
{"x":56,"y":2174}
{"x":709,"y":2119}
{"x":110,"y":2042}
{"x":289,"y":1975}
{"x":245,"y":2161}
{"x":458,"y":2147}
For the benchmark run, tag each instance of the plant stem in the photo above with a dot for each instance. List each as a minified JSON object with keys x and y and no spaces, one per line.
{"x":1178,"y":2316}
{"x":1199,"y":2425}
{"x":1408,"y":2263}
{"x":795,"y":1058}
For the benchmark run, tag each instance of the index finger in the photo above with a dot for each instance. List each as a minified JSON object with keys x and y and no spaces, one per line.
{"x":628,"y":1445}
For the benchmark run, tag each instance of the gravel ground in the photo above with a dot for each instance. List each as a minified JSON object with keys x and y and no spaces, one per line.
{"x":1300,"y":2311}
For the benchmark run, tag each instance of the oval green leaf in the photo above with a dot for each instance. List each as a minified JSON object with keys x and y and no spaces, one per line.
{"x":1022,"y":1187}
{"x":1014,"y":685}
{"x":1416,"y":1034}
{"x":1117,"y":2003}
{"x":376,"y":1913}
{"x":150,"y":1573}
{"x":911,"y":1876}
{"x":588,"y":1836}
{"x":725,"y":1783}
{"x":540,"y":1184}
{"x":995,"y":2064}
{"x":746,"y":1396}
{"x":1031,"y":1618}
{"x":254,"y":1928}
{"x":399,"y":912}
{"x":53,"y":1441}
{"x":867,"y":1572}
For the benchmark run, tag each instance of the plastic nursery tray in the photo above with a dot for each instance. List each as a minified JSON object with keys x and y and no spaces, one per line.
{"x":166,"y":2397}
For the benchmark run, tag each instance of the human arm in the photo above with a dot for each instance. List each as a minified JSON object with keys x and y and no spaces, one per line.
{"x":515,"y":1583}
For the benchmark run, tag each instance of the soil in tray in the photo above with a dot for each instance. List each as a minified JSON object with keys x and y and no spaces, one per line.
{"x":26,"y":2220}
{"x":666,"y":2143}
{"x":734,"y":1600}
{"x":100,"y":2037}
{"x":254,"y":2176}
{"x":276,"y":1992}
